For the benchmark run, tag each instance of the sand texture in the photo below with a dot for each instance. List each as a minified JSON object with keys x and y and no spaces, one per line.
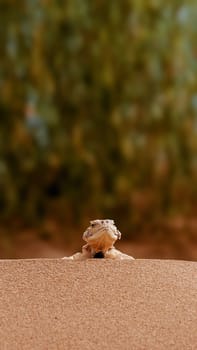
{"x":98,"y":304}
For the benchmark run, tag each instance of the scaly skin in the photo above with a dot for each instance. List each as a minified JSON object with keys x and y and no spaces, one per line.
{"x":100,"y":237}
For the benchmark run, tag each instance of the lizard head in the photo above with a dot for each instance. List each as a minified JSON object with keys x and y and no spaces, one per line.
{"x":101,"y":234}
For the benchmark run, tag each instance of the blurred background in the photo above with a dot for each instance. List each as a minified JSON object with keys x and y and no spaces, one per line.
{"x":98,"y":119}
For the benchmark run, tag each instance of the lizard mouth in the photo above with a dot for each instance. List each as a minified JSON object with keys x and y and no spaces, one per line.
{"x":103,"y":231}
{"x":102,"y":240}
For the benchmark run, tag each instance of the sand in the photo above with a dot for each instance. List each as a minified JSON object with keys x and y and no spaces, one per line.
{"x":98,"y":304}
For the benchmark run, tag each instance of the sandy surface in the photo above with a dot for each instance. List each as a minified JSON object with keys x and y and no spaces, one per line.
{"x":98,"y":304}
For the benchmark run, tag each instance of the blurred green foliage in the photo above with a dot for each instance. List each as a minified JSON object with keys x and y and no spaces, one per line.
{"x":98,"y":109}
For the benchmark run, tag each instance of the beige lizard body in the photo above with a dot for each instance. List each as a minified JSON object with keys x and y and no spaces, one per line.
{"x":100,"y":237}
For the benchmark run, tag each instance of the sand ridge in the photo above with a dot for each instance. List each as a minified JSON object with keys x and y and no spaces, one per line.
{"x":98,"y":304}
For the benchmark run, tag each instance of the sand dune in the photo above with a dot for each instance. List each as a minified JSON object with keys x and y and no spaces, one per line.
{"x":98,"y":304}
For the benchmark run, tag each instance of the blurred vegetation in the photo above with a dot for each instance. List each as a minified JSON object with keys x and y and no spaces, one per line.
{"x":98,"y":110}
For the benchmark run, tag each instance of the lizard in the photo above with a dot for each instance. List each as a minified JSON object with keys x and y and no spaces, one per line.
{"x":100,"y":237}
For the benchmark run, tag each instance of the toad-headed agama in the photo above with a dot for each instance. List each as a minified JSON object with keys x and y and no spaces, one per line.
{"x":100,"y":237}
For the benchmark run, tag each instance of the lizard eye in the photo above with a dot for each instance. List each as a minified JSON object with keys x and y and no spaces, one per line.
{"x":93,"y":225}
